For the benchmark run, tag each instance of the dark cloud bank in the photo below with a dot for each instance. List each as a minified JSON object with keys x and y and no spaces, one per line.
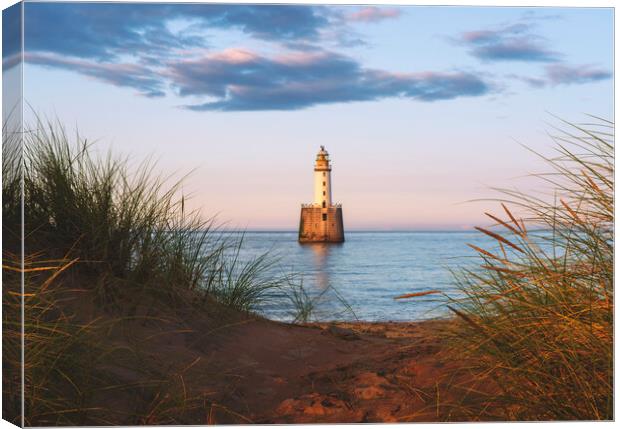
{"x":240,"y":80}
{"x":103,"y":31}
{"x":95,"y":39}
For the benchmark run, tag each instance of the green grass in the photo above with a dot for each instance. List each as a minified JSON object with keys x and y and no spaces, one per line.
{"x":12,"y":172}
{"x":537,"y":317}
{"x":121,"y":236}
{"x":306,"y":307}
{"x":130,"y":225}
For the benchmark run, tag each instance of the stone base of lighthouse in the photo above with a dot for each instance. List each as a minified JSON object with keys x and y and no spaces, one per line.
{"x":321,"y":225}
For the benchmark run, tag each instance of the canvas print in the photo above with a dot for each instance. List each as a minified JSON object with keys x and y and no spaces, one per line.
{"x":227,"y":213}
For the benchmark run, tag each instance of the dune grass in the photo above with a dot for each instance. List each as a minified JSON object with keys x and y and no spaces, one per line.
{"x":126,"y":224}
{"x":129,"y":225}
{"x":57,"y":348}
{"x":119,"y":238}
{"x":12,"y":297}
{"x":537,"y":317}
{"x":307,"y":307}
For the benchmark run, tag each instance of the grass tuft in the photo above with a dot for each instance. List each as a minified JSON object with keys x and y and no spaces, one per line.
{"x":110,"y":247}
{"x":538,"y":313}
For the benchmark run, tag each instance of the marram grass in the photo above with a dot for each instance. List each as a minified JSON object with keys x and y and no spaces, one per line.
{"x":103,"y":242}
{"x":537,"y":317}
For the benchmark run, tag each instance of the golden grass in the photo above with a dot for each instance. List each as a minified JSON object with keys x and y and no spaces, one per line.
{"x":538,"y":313}
{"x":416,"y":294}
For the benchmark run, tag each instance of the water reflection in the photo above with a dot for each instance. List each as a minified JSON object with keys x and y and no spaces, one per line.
{"x":323,"y":261}
{"x":320,"y":260}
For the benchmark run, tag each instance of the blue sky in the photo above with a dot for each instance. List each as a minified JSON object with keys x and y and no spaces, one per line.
{"x":421,"y":108}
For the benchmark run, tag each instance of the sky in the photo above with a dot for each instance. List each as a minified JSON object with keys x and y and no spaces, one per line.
{"x":422,"y":109}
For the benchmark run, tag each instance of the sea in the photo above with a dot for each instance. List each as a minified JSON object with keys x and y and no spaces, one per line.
{"x":360,"y":278}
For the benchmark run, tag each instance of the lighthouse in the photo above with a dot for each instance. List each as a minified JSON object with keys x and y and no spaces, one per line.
{"x":321,"y":221}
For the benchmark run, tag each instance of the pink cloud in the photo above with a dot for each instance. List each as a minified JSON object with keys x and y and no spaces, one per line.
{"x":373,"y":14}
{"x":235,"y":56}
{"x":565,"y":74}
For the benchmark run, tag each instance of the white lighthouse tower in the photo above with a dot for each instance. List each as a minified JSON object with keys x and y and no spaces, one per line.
{"x":322,"y":180}
{"x":321,"y":221}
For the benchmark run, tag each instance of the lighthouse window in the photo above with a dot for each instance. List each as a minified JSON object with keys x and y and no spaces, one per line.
{"x":324,"y":216}
{"x":323,"y":174}
{"x":323,"y":183}
{"x":323,"y":192}
{"x":323,"y":204}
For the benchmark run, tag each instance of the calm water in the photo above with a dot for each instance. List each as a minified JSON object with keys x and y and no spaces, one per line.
{"x":369,"y":270}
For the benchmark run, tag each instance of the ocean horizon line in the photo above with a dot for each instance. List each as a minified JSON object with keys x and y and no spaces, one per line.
{"x":365,"y":231}
{"x":395,"y":231}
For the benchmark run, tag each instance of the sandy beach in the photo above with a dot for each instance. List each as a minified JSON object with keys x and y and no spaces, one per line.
{"x":246,"y":369}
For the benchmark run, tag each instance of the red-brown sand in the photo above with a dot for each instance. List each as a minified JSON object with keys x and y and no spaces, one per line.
{"x":253,"y":370}
{"x":227,"y":367}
